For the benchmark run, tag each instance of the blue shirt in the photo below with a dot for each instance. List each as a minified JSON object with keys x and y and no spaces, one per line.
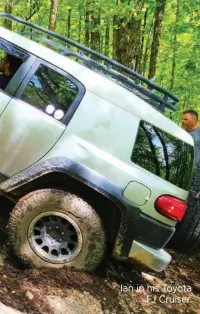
{"x":196,"y":136}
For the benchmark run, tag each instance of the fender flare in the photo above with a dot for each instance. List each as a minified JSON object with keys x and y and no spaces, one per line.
{"x":130,"y":213}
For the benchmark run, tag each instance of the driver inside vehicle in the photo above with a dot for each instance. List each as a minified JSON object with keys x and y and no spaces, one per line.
{"x":8,"y":66}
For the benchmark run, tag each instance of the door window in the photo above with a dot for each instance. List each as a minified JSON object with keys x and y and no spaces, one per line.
{"x":50,"y":91}
{"x":11,"y":59}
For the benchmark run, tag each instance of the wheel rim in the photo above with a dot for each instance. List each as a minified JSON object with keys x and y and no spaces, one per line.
{"x":55,"y":237}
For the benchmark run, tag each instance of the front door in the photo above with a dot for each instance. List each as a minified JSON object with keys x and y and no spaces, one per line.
{"x":35,"y":118}
{"x":14,"y":65}
{"x":9,"y":83}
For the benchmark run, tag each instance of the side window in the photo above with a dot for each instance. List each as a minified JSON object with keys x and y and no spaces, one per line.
{"x":50,"y":92}
{"x":163,"y":155}
{"x":11,"y":59}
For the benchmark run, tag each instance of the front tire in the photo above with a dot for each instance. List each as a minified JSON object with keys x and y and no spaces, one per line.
{"x":53,"y":228}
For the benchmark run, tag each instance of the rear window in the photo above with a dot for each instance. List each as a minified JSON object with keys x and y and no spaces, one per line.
{"x":164,"y":155}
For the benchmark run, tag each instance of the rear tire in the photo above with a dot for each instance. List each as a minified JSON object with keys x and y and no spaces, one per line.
{"x":187,"y":236}
{"x":52,"y":228}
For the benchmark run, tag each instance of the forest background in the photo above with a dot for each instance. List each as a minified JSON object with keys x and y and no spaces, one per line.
{"x":158,"y":38}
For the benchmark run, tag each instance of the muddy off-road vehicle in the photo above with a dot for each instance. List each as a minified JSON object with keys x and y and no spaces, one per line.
{"x":89,"y":159}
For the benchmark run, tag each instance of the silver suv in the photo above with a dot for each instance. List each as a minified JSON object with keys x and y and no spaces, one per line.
{"x":88,"y":158}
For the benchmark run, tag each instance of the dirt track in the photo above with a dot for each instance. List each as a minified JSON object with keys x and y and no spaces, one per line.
{"x":118,"y":288}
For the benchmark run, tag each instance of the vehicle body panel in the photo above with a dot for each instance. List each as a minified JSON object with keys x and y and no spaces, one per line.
{"x":28,"y":132}
{"x":98,"y":137}
{"x":88,"y":138}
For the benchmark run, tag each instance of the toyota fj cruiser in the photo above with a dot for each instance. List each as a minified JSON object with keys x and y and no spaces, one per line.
{"x":88,"y":157}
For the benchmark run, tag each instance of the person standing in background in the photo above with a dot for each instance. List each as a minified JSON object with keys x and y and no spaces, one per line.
{"x":190,"y":124}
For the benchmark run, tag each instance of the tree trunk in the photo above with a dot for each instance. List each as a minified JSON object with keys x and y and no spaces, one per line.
{"x":128,"y":38}
{"x":87,"y":21}
{"x":135,"y":41}
{"x":53,"y":14}
{"x":114,"y":46}
{"x":119,"y":38}
{"x":158,"y":18}
{"x":136,"y":37}
{"x":69,"y":23}
{"x":175,"y":46}
{"x":146,"y":49}
{"x":107,"y":40}
{"x":8,"y":9}
{"x":142,"y":39}
{"x":95,"y":35}
{"x":121,"y":43}
{"x":79,"y":28}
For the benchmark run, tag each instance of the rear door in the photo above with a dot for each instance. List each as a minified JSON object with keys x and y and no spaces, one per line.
{"x":36,"y":117}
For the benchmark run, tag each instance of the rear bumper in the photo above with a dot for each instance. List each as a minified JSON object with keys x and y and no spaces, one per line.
{"x":156,"y":259}
{"x":152,"y":232}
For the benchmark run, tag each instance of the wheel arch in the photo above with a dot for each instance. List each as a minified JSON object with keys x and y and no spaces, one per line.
{"x":73,"y":177}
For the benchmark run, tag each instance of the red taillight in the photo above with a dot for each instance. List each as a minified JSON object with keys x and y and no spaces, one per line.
{"x":171,"y":207}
